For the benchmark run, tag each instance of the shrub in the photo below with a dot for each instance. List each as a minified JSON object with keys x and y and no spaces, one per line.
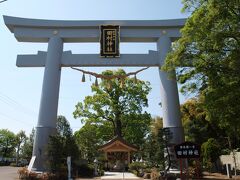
{"x":211,"y":151}
{"x":4,"y":163}
{"x":32,"y":175}
{"x":25,"y":174}
{"x":147,"y":176}
{"x":192,"y":172}
{"x":13,"y":164}
{"x":101,"y":172}
{"x":85,"y":170}
{"x":137,"y":168}
{"x":155,"y":175}
{"x":48,"y":176}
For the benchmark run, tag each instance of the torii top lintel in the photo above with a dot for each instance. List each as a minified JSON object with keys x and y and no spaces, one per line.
{"x":37,"y":30}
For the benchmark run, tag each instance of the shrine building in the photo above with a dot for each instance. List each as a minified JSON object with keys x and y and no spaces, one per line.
{"x":118,"y":153}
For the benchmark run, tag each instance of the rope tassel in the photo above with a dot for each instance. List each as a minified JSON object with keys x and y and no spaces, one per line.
{"x":96,"y":82}
{"x":83,"y":78}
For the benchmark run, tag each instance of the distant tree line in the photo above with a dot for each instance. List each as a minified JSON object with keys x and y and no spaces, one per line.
{"x":15,"y":146}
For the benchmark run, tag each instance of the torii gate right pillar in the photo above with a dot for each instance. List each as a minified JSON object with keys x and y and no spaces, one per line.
{"x":170,"y":100}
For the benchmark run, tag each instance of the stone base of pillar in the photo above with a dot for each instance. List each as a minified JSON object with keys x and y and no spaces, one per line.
{"x":40,"y":146}
{"x":175,"y":136}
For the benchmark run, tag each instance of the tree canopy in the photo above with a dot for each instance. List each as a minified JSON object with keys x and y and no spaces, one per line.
{"x":209,"y":56}
{"x":116,"y":108}
{"x":7,"y":143}
{"x":61,"y":145}
{"x":20,"y":140}
{"x":153,"y":150}
{"x":27,"y":148}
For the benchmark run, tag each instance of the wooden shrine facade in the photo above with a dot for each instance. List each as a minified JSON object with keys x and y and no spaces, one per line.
{"x":118,"y":153}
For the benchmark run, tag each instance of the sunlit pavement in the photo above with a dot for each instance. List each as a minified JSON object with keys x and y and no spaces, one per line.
{"x":10,"y":173}
{"x":115,"y":176}
{"x":119,"y":175}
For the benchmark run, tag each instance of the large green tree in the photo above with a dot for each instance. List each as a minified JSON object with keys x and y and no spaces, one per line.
{"x":117,"y":107}
{"x":7,"y":143}
{"x":90,"y":137}
{"x":209,"y":56}
{"x":61,"y":145}
{"x":197,"y":126}
{"x":153,"y":150}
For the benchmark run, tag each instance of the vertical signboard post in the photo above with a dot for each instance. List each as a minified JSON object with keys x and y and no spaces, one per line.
{"x":109,"y":41}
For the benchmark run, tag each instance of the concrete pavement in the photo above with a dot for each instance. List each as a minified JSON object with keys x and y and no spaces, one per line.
{"x":8,"y":173}
{"x":119,"y":176}
{"x":115,"y":176}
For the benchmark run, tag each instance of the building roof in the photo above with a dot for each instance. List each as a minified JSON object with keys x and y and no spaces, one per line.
{"x":117,"y":144}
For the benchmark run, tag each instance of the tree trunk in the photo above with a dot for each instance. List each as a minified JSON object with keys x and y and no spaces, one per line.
{"x":17,"y":157}
{"x":118,"y":125}
{"x":118,"y":130}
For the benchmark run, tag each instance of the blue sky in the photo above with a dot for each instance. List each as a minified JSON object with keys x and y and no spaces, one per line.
{"x":20,"y":88}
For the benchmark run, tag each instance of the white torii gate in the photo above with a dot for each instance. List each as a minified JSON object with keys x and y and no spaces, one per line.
{"x":57,"y":32}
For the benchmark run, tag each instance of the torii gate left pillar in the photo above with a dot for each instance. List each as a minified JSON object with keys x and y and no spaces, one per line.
{"x":55,"y":33}
{"x":49,"y":101}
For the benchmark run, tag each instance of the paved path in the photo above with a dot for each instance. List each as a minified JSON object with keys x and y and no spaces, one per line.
{"x":8,"y":173}
{"x":119,"y":175}
{"x":114,"y":176}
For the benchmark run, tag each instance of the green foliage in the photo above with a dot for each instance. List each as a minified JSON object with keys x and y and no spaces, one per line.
{"x":137,"y":168}
{"x":115,"y":109}
{"x":197,"y":127}
{"x":208,"y":53}
{"x":56,"y":153}
{"x":211,"y":151}
{"x":153,"y":149}
{"x":20,"y":139}
{"x":27,"y":148}
{"x":85,"y":170}
{"x":61,"y":146}
{"x":63,"y":127}
{"x":7,"y":143}
{"x":89,"y":137}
